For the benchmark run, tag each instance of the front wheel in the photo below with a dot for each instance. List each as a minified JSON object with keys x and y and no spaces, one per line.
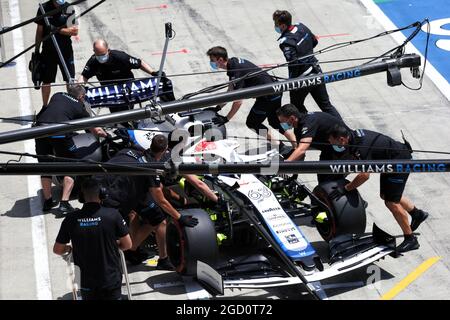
{"x":185,"y":246}
{"x":346,"y":215}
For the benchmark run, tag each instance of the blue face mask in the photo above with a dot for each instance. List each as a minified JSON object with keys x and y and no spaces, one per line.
{"x":60,"y":2}
{"x":102,"y":59}
{"x":277,"y":29}
{"x":214,"y":65}
{"x":286,"y":126}
{"x":338,"y":148}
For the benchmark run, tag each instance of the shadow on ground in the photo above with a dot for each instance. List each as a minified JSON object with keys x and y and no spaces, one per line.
{"x":21,"y":208}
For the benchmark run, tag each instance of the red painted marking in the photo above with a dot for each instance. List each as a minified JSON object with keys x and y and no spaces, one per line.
{"x":333,"y":35}
{"x":162,"y":6}
{"x":170,"y":52}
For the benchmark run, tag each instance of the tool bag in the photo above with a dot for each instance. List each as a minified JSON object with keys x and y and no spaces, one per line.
{"x":35,"y":68}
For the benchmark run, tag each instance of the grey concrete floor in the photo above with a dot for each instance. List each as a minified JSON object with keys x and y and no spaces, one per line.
{"x":29,"y":270}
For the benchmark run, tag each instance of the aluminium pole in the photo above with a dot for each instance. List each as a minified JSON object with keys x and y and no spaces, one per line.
{"x":158,"y":110}
{"x":169,"y":35}
{"x":159,"y":168}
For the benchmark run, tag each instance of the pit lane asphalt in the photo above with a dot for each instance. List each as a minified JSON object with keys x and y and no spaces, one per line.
{"x":246,"y":30}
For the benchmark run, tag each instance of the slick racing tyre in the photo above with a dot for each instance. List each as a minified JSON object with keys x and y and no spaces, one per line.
{"x":187,"y":245}
{"x":346,"y":215}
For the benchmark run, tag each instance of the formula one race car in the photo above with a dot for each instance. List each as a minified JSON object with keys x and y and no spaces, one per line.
{"x":257,"y":241}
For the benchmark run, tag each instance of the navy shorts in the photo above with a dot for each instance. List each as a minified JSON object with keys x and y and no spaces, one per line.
{"x":392,"y":186}
{"x":50,"y":63}
{"x":265,"y":108}
{"x":152,"y":214}
{"x":61,"y":147}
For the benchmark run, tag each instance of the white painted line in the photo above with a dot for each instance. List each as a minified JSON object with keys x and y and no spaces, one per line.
{"x":38,"y":231}
{"x":194,"y":290}
{"x":440,"y":82}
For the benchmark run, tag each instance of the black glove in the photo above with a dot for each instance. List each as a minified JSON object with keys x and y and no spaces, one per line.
{"x":155,"y":74}
{"x":53,"y":29}
{"x":217,"y":108}
{"x":220,"y":120}
{"x":109,"y":137}
{"x":337,"y":193}
{"x":188,"y":221}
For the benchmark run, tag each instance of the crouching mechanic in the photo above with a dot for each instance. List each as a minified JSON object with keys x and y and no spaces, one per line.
{"x":264,"y":107}
{"x":370,"y":145}
{"x":97,"y":233}
{"x":156,"y":203}
{"x":63,"y":107}
{"x":148,"y":205}
{"x":311,"y":130}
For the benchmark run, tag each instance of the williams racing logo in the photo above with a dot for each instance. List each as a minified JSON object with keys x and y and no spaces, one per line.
{"x":295,"y":85}
{"x":389,"y":168}
{"x":316,"y":81}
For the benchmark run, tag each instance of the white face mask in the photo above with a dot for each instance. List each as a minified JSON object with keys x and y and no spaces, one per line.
{"x":102,"y":59}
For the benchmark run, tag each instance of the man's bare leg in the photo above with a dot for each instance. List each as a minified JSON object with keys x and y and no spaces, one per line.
{"x":400,"y":215}
{"x":67,"y":188}
{"x":407,"y":204}
{"x":45,"y":90}
{"x":140,"y":234}
{"x":160,"y":233}
{"x":46,"y":184}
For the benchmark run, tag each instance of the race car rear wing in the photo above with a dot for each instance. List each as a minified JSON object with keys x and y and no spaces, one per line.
{"x":130,"y":92}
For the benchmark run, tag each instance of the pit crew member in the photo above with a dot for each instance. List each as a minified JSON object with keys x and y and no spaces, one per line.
{"x":148,"y":206}
{"x":311,"y":130}
{"x":96,"y":234}
{"x":63,"y":107}
{"x":112,"y":67}
{"x":48,"y":57}
{"x":263,"y":108}
{"x":371,"y":145}
{"x":297,"y":41}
